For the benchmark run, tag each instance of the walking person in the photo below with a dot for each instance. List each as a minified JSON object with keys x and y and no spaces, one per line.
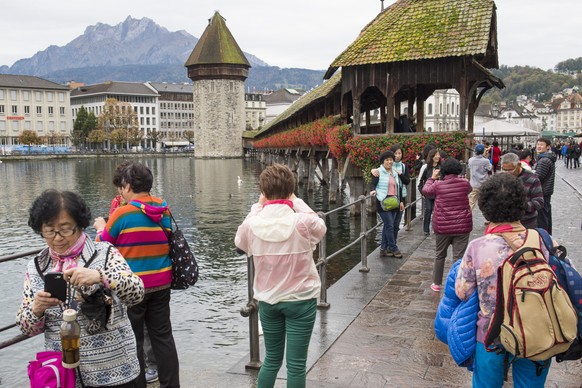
{"x":453,"y":218}
{"x":545,"y":169}
{"x":433,"y":163}
{"x":502,"y":201}
{"x":281,"y":232}
{"x":135,"y":229}
{"x":495,"y":156}
{"x":388,"y":185}
{"x":511,"y":164}
{"x":479,"y":168}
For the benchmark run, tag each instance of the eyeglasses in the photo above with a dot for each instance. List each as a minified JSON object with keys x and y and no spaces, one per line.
{"x":50,"y":234}
{"x":510,"y":170}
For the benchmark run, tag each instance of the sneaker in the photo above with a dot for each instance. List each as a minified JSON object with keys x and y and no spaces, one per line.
{"x":397,"y":254}
{"x":426,"y":234}
{"x":151,"y":375}
{"x":383,"y":253}
{"x":435,"y":287}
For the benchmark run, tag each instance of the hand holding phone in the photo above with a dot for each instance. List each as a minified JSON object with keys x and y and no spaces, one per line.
{"x":55,"y":284}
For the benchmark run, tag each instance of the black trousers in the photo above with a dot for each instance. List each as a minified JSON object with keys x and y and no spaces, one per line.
{"x":545,"y":215}
{"x":154,"y":312}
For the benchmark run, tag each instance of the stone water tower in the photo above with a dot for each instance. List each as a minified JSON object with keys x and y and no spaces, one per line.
{"x":218,"y":68}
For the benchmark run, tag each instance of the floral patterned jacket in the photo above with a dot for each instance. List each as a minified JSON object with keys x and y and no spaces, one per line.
{"x":478,"y":270}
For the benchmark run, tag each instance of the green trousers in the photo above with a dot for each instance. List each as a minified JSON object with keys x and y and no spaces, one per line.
{"x":291,"y":322}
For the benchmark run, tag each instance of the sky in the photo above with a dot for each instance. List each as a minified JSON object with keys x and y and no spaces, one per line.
{"x":306,"y":34}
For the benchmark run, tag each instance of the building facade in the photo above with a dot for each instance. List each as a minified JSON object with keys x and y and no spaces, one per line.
{"x":255,"y":111}
{"x":141,"y":97}
{"x":569,"y":113}
{"x":176,"y":116}
{"x":441,"y":111}
{"x":34,"y":104}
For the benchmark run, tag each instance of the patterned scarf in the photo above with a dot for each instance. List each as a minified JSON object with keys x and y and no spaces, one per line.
{"x":68,"y":259}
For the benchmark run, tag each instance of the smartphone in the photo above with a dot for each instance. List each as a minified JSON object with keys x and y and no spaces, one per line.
{"x":55,"y":283}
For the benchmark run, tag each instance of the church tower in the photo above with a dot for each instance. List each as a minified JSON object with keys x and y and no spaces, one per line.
{"x":218,"y":68}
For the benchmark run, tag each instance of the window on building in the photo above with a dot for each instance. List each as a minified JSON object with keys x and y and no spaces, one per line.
{"x":25,"y":95}
{"x":452,"y":108}
{"x":448,"y":110}
{"x":27,"y":126}
{"x":49,"y":96}
{"x":38,"y":96}
{"x":141,"y":120}
{"x":62,"y":110}
{"x":1,"y":94}
{"x":154,"y":110}
{"x":147,"y":121}
{"x":39,"y":126}
{"x":14,"y":109}
{"x":51,"y":110}
{"x":429,"y":109}
{"x":51,"y":126}
{"x":441,"y":108}
{"x":153,"y":121}
{"x":26,"y":110}
{"x":61,"y":97}
{"x":13,"y":95}
{"x":15,"y":126}
{"x":2,"y":109}
{"x":141,"y":110}
{"x":2,"y":125}
{"x":63,"y":125}
{"x":147,"y":110}
{"x":39,"y":110}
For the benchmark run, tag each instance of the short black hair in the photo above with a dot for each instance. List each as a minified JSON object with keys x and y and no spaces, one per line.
{"x":524,"y":153}
{"x":386,"y":155}
{"x":545,"y":140}
{"x":502,"y":198}
{"x":451,"y":166}
{"x":47,"y":206}
{"x":396,"y":147}
{"x":137,"y":175}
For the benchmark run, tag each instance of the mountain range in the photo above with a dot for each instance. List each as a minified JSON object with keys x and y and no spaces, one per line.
{"x":139,"y":50}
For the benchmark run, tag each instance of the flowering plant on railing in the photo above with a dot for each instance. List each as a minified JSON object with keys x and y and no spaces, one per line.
{"x":337,"y":139}
{"x":313,"y":134}
{"x":364,"y":151}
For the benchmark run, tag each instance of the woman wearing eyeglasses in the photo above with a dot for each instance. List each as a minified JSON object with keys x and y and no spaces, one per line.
{"x":108,"y":349}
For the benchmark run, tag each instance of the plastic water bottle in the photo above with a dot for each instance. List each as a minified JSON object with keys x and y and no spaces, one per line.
{"x":70,"y":339}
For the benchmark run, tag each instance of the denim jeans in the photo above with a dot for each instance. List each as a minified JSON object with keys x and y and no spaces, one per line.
{"x":488,"y":372}
{"x":154,"y":312}
{"x":290,"y":322}
{"x":389,"y":230}
{"x":428,"y":207}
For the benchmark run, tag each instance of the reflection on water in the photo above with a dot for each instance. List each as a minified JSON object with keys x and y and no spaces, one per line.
{"x":208,"y":203}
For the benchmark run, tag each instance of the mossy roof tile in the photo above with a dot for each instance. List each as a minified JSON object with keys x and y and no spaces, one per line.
{"x":217,"y":46}
{"x":422,"y":29}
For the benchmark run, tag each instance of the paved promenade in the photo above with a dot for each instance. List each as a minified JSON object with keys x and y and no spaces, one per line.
{"x":379,"y":329}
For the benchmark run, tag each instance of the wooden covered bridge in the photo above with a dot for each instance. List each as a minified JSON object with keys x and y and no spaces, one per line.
{"x":410,"y":49}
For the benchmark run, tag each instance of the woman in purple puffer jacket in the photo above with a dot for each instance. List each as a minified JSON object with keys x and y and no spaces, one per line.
{"x":452,"y":217}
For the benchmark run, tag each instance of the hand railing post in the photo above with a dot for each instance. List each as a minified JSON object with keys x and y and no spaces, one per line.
{"x":323,"y":304}
{"x":251,"y":310}
{"x":363,"y":234}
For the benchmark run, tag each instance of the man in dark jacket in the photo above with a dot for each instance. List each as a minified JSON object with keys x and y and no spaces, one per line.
{"x":510,"y":163}
{"x":546,"y":171}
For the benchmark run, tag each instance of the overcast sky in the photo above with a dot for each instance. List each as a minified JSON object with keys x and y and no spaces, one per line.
{"x":295,"y":33}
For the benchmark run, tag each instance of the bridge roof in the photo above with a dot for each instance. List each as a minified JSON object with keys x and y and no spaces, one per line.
{"x":422,"y":29}
{"x":316,"y":94}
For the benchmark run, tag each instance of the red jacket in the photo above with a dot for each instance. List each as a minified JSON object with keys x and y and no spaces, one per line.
{"x":451,"y":214}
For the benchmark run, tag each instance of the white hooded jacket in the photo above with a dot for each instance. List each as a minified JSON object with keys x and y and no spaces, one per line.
{"x":281,"y":240}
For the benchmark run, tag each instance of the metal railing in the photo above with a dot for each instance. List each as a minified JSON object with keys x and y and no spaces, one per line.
{"x":251,"y":308}
{"x":20,"y":337}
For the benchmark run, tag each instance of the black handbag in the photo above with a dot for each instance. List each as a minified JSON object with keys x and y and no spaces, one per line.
{"x":184,"y":265}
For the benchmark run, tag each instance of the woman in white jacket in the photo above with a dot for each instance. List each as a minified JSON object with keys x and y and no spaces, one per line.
{"x":281,"y":232}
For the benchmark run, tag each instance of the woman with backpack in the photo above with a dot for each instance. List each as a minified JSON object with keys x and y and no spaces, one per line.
{"x":502,"y":201}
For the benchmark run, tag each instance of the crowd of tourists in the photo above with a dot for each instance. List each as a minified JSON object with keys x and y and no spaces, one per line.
{"x":514,"y":191}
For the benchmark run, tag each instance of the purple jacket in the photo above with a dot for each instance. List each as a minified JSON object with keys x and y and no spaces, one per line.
{"x":451,"y":214}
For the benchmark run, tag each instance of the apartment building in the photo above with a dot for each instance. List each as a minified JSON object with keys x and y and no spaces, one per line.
{"x":441,"y":111}
{"x":568,"y":113}
{"x":176,"y":112}
{"x":255,"y":111}
{"x":36,"y":104}
{"x":142,"y":98}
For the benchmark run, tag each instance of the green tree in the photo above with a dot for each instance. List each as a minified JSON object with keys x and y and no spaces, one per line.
{"x":96,"y":136}
{"x":79,"y":124}
{"x":90,"y":123}
{"x":154,"y":136}
{"x":188,"y":135}
{"x":117,"y":117}
{"x":29,"y":138}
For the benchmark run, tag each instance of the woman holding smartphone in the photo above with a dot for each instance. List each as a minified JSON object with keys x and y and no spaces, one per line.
{"x":108,"y":354}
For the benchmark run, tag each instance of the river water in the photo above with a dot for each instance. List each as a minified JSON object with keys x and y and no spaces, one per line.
{"x":208,"y":203}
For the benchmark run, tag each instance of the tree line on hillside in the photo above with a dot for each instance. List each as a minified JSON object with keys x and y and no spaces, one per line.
{"x":530,"y":81}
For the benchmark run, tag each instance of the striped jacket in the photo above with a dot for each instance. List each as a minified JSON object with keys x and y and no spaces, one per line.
{"x":135,"y":232}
